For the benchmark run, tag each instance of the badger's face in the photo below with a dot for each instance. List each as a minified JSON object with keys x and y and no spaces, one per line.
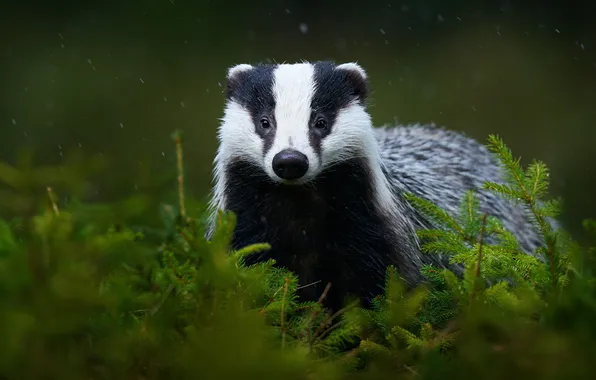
{"x":294,"y":120}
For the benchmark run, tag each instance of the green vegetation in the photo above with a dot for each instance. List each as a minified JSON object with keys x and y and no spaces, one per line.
{"x":86,"y":293}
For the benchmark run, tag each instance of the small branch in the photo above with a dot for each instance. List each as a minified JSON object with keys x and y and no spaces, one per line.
{"x":551,"y":255}
{"x":482,"y":232}
{"x":550,"y":244}
{"x":52,"y":198}
{"x":271,"y":298}
{"x":283,"y":304}
{"x":324,"y":333}
{"x":177,"y":138}
{"x":324,"y":294}
{"x":307,"y":285}
{"x":320,"y":302}
{"x":411,"y":370}
{"x":163,"y":299}
{"x":318,"y":332}
{"x":481,"y":244}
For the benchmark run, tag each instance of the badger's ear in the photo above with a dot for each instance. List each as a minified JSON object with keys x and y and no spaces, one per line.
{"x":235,"y":78}
{"x":357,"y":77}
{"x":237,"y":69}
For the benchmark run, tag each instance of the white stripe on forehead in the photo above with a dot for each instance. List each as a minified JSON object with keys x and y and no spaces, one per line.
{"x":293,"y":89}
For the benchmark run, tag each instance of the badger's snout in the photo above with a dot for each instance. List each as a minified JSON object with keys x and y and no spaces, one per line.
{"x":290,"y":164}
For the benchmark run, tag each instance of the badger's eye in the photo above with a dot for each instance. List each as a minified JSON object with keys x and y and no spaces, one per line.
{"x":265,"y":123}
{"x":321,"y":124}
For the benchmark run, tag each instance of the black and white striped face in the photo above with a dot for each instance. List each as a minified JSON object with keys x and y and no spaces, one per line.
{"x":294,"y":120}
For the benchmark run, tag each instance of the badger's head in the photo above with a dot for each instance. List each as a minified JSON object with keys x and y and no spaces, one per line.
{"x":289,"y":126}
{"x":295,"y":120}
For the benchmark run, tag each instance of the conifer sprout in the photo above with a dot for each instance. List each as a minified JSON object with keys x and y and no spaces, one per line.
{"x":302,"y":167}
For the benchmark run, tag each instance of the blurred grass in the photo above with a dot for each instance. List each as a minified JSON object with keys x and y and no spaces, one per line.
{"x":84,"y":296}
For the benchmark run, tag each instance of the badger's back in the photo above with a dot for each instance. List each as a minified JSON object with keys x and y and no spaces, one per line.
{"x":441,"y":165}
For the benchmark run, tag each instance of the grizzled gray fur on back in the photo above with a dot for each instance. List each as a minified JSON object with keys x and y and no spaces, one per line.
{"x":303,"y":169}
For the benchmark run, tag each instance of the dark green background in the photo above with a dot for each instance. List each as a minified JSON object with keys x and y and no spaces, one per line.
{"x":116,"y":78}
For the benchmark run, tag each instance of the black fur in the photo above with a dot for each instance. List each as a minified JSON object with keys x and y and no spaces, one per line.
{"x":253,"y":89}
{"x":322,"y":231}
{"x":335,"y":89}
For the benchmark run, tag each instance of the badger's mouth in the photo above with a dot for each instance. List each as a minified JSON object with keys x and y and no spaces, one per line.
{"x":294,"y":182}
{"x":302,"y":181}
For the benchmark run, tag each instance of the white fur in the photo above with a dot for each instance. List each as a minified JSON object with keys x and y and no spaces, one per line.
{"x":352,"y":66}
{"x":236,"y":138}
{"x":353,"y":134}
{"x":293,"y":88}
{"x":234,"y":70}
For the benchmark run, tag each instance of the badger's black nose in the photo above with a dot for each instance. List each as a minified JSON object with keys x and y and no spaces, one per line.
{"x":290,"y":164}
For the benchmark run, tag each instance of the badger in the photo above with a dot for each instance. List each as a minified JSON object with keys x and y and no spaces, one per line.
{"x":302,"y":167}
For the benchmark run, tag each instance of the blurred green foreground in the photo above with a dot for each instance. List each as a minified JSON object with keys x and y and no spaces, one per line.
{"x":100,"y":291}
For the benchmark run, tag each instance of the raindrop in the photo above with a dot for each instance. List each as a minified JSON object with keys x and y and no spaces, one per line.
{"x":558,"y":31}
{"x":287,"y":11}
{"x":440,"y":18}
{"x":121,"y":125}
{"x":91,"y":63}
{"x":163,"y":154}
{"x":303,"y":28}
{"x":182,"y":105}
{"x":382,"y":31}
{"x":14,"y":122}
{"x":142,"y":81}
{"x":165,"y":99}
